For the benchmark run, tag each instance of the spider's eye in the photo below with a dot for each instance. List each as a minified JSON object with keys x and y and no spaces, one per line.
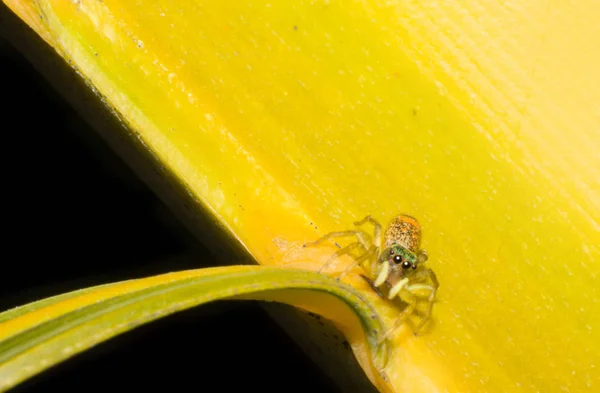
{"x":397,"y":259}
{"x":406,"y":265}
{"x":391,"y":252}
{"x":414,"y":266}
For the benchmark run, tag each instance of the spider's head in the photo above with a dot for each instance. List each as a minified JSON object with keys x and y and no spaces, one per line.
{"x":398,"y":262}
{"x":402,"y":260}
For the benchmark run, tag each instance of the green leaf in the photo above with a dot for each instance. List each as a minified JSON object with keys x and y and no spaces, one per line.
{"x":38,"y":335}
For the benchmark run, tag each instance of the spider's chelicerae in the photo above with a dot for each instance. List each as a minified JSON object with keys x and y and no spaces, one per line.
{"x":394,"y":264}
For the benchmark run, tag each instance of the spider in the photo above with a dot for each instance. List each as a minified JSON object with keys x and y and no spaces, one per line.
{"x":394,"y":260}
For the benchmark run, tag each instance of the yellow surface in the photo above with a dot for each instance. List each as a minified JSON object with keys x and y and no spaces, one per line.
{"x":482,"y":119}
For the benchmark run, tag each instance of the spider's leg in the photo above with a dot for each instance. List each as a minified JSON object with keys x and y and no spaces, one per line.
{"x":430,"y":300}
{"x":362,"y":237}
{"x":431,"y":275}
{"x":371,"y":252}
{"x":416,"y":290}
{"x":425,"y":275}
{"x":432,"y":289}
{"x":344,"y":251}
{"x":377,"y":231}
{"x":422,"y":256}
{"x":411,"y":300}
{"x":427,"y":316}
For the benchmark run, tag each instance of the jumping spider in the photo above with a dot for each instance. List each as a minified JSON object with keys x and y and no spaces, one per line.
{"x":394,"y":260}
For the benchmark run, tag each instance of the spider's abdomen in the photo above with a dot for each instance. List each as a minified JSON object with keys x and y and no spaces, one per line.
{"x":404,"y":230}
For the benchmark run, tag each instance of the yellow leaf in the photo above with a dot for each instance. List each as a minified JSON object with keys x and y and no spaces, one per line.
{"x":288,"y":120}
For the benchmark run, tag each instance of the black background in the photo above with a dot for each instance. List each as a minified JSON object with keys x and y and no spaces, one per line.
{"x":74,"y":215}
